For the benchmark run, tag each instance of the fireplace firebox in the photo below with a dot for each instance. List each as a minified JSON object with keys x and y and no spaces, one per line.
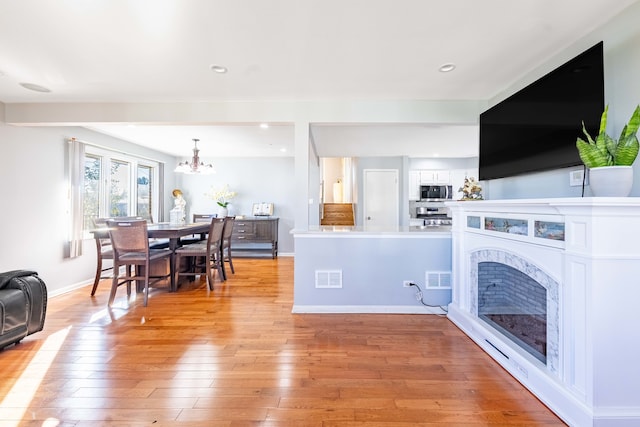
{"x":515,"y":305}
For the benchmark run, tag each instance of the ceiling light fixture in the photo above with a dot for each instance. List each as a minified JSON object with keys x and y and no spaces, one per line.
{"x":218,"y":68}
{"x":196,"y":166}
{"x":445,"y":68}
{"x":35,"y":87}
{"x":264,"y":125}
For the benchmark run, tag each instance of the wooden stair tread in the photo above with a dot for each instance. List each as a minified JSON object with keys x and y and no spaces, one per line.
{"x":337,"y":214}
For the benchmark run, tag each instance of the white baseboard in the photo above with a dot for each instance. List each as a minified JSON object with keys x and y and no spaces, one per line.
{"x":71,"y":287}
{"x":366,"y":309}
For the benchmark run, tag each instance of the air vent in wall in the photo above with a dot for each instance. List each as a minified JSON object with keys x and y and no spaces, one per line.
{"x":328,"y":278}
{"x":438,"y":279}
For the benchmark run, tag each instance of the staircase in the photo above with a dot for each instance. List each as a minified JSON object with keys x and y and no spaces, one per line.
{"x":337,"y":214}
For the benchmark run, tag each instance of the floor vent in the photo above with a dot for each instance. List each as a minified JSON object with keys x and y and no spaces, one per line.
{"x":328,"y":278}
{"x":438,"y":279}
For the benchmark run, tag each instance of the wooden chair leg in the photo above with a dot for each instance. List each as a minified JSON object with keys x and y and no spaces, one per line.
{"x":98,"y":276}
{"x":221,"y":268}
{"x":146,"y":283}
{"x":209,"y":274}
{"x":219,"y":260}
{"x":129,"y":281}
{"x":114,"y":286}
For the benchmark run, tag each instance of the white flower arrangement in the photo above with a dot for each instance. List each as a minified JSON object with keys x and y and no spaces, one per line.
{"x":221,"y":196}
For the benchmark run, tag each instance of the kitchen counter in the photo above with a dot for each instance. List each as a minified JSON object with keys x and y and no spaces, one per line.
{"x":400,"y":230}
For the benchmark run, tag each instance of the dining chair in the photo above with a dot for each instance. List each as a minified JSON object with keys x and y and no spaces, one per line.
{"x":225,"y":247}
{"x":103,"y":249}
{"x":205,"y":257}
{"x":130,"y":243}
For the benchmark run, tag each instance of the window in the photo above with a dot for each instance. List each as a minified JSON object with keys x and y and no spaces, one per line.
{"x":117,"y":184}
{"x":144,"y":184}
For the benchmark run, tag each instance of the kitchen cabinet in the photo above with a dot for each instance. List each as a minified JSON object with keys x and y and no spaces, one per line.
{"x":414,"y":185}
{"x":255,"y":235}
{"x":428,"y":177}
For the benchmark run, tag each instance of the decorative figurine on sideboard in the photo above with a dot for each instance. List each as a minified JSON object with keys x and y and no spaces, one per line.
{"x":177,"y":214}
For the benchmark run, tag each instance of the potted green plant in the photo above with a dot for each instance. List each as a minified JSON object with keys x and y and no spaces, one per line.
{"x":610,"y":161}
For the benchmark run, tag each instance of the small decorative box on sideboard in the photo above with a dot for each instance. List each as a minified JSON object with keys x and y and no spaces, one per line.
{"x":255,"y":235}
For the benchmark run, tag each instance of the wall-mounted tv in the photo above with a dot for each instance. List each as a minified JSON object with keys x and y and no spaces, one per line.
{"x":536,"y":128}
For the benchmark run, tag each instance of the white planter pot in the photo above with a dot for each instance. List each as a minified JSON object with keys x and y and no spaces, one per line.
{"x":222,"y":212}
{"x":611,"y":181}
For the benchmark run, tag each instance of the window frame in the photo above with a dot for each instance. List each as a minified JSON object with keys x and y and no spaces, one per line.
{"x":107,"y":157}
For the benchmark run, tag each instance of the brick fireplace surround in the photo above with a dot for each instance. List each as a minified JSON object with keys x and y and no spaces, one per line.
{"x":586,"y":253}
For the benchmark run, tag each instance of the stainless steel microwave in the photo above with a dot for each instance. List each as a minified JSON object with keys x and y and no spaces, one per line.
{"x":435,"y":193}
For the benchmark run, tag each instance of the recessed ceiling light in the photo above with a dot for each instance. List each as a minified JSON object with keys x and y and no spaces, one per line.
{"x":264,"y":125}
{"x":35,"y":87}
{"x":283,"y":150}
{"x":218,"y":68}
{"x":445,"y":68}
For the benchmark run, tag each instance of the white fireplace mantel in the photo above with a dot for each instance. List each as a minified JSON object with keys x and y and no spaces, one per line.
{"x":591,"y":248}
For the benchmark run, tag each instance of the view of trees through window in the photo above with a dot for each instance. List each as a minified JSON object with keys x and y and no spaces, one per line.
{"x":108,"y":189}
{"x":144,"y":180}
{"x":119,"y":189}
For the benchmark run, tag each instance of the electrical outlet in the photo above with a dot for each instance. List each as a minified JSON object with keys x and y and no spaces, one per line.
{"x":406,"y":283}
{"x":576,"y":177}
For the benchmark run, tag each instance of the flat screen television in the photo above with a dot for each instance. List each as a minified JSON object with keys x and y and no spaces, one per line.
{"x":536,"y":128}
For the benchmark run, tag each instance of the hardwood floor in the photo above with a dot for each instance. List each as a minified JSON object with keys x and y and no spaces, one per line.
{"x":238,"y":357}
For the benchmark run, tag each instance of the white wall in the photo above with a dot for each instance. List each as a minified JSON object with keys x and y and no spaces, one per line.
{"x":34,"y":214}
{"x":621,"y":38}
{"x":256,"y":180}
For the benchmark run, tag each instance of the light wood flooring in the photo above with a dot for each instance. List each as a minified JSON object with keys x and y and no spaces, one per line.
{"x":238,"y":357}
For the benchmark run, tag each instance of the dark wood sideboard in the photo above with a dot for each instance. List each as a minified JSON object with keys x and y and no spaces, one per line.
{"x":255,"y":235}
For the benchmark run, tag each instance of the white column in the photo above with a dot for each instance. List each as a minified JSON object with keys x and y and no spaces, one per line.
{"x":301,"y":214}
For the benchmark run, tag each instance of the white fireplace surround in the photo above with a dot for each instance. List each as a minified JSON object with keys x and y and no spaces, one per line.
{"x":586,"y":253}
{"x":537,"y":274}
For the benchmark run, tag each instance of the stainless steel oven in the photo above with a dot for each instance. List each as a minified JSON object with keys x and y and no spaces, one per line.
{"x":433,"y":215}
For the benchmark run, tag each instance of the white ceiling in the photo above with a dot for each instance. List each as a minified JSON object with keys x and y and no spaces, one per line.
{"x":106,"y":51}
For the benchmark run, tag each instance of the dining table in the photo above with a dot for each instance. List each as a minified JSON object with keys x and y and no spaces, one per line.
{"x":174,"y":233}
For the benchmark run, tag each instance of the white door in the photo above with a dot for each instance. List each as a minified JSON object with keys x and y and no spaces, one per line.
{"x":381,"y":198}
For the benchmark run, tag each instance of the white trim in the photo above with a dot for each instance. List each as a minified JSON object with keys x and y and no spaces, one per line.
{"x":366,"y":309}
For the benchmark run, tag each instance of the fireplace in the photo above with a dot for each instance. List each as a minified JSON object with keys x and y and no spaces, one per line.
{"x":519,"y":300}
{"x":564,"y":272}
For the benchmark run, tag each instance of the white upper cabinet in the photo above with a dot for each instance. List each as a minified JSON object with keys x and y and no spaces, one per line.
{"x":428,"y":177}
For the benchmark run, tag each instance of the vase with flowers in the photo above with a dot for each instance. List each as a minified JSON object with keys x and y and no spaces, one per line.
{"x":222,"y":197}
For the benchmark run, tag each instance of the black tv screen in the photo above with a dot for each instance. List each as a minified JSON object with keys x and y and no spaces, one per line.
{"x":536,"y":128}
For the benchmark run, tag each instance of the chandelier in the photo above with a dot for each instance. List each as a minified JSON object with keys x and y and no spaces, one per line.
{"x":196,"y":166}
